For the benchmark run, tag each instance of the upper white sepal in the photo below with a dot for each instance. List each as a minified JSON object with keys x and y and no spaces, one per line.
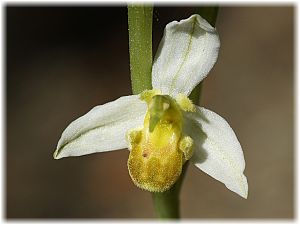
{"x":186,"y":54}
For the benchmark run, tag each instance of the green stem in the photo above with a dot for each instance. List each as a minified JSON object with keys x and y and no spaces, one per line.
{"x":140,"y":46}
{"x":167,"y":204}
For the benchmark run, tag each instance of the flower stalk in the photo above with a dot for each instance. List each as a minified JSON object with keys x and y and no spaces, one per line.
{"x":140,"y":46}
{"x":166,"y":204}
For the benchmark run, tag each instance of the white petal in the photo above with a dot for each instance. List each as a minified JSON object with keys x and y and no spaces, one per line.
{"x":103,"y":128}
{"x":217,"y":149}
{"x":187,"y":52}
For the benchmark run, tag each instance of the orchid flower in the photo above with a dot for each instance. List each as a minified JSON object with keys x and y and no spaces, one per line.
{"x":162,"y":128}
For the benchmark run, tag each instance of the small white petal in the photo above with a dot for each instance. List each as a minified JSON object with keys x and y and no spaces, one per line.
{"x":186,"y":54}
{"x":217,"y":149}
{"x":103,"y":128}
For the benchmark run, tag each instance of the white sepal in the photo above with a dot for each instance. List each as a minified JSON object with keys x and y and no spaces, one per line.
{"x":103,"y":128}
{"x":186,"y":54}
{"x":217,"y":150}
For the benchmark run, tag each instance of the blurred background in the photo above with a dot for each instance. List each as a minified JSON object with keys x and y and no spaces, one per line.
{"x":62,"y":61}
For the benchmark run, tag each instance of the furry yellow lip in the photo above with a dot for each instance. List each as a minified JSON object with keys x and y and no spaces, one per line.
{"x":159,"y":149}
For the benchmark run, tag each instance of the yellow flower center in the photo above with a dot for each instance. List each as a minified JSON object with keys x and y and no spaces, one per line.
{"x":159,"y":149}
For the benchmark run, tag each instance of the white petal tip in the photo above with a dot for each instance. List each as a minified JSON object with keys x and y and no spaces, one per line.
{"x":58,"y":154}
{"x":204,"y":24}
{"x":55,"y":154}
{"x":240,"y":187}
{"x":244,"y":195}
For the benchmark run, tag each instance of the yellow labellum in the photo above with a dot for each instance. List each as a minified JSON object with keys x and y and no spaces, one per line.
{"x":159,"y":150}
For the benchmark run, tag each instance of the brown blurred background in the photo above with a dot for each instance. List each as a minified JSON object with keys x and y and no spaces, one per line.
{"x":62,"y":61}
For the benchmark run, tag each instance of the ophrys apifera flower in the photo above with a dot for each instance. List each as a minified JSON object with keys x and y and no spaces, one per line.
{"x":162,"y":128}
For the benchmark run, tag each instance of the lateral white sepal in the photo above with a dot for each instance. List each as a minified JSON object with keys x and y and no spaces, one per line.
{"x":103,"y":128}
{"x":217,"y":150}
